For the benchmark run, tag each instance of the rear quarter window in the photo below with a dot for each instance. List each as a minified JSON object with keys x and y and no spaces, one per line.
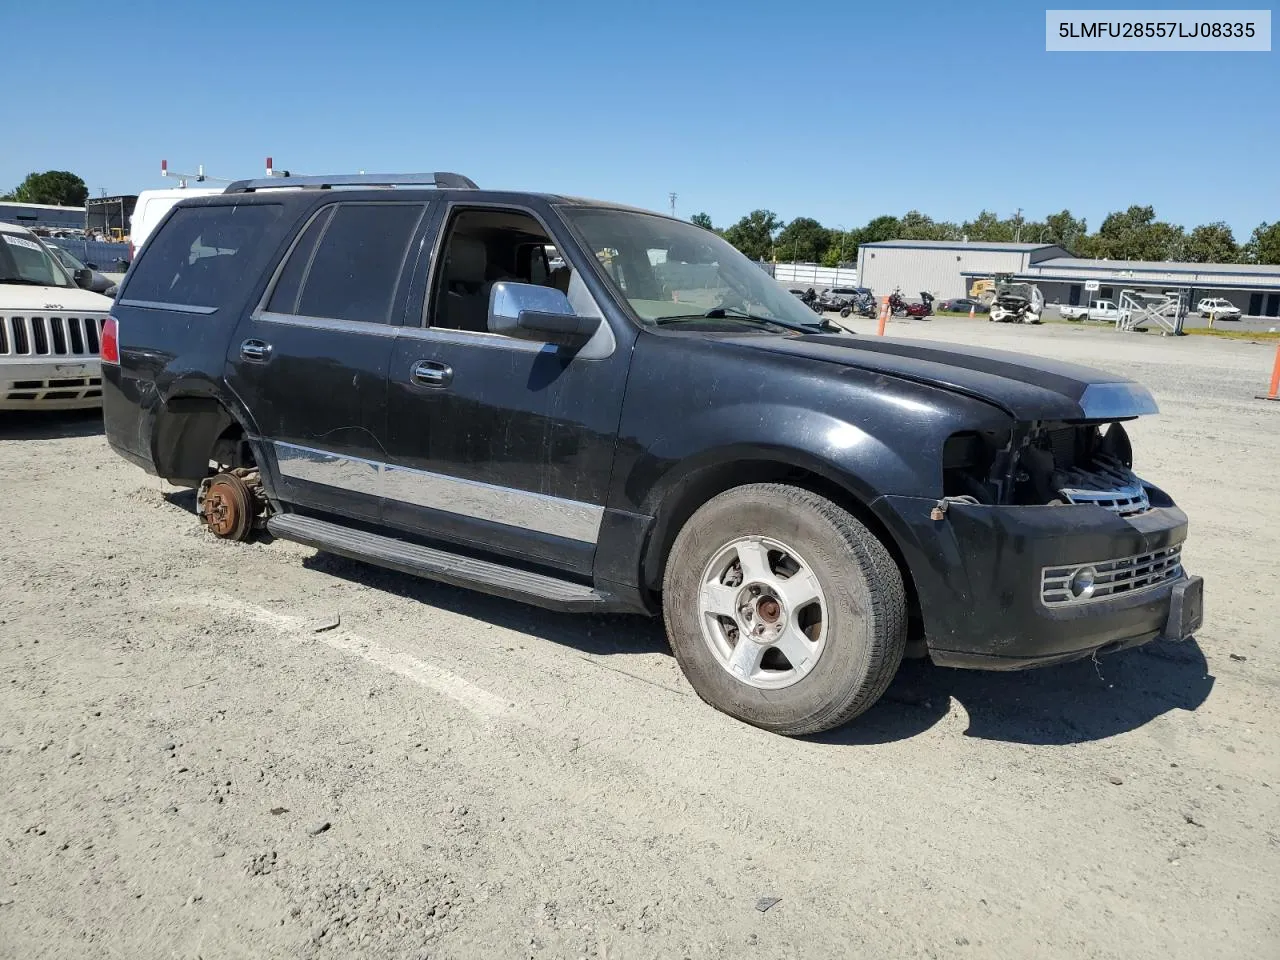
{"x":200,"y":255}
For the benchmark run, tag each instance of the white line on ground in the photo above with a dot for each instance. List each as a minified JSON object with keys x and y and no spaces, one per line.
{"x":474,"y":698}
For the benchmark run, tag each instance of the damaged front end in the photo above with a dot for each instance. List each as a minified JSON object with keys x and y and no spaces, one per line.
{"x":1048,"y":464}
{"x":1045,"y":547}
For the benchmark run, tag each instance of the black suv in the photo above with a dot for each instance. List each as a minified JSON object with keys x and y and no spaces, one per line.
{"x":391,"y":369}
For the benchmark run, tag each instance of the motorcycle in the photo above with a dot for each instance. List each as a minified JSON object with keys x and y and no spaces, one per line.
{"x":897,"y":303}
{"x":810,"y":299}
{"x":922,"y":310}
{"x":864,"y":305}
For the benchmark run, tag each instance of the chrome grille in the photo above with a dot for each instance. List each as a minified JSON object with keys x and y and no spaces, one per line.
{"x":1112,"y":578}
{"x":1126,"y":500}
{"x":1107,"y":483}
{"x":50,"y":335}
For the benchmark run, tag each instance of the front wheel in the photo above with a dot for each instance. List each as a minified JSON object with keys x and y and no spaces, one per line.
{"x":783,"y":610}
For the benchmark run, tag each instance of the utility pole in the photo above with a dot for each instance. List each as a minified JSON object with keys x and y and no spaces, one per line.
{"x":1017,"y":234}
{"x":672,"y":195}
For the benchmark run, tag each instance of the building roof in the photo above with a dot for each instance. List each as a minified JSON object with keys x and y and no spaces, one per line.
{"x":1158,"y":266}
{"x":40,"y":206}
{"x":959,"y":245}
{"x":1146,"y":273}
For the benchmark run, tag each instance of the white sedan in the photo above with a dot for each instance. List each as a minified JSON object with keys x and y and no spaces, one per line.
{"x":1220,"y":309}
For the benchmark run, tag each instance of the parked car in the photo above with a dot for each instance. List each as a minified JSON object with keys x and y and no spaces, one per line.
{"x":1220,"y":308}
{"x":964,"y":305}
{"x":375,"y":374}
{"x":49,"y":328}
{"x":1077,"y":312}
{"x":93,"y":280}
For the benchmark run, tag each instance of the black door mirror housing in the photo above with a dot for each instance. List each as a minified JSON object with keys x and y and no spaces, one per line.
{"x":83,"y":278}
{"x":532,"y":312}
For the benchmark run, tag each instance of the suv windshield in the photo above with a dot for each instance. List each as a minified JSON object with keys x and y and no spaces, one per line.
{"x":25,"y":260}
{"x":667,"y":268}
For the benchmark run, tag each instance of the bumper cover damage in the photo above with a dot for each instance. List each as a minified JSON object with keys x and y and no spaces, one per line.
{"x":978,"y":576}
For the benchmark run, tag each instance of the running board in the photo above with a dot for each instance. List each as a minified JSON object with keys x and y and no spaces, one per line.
{"x":494,"y":578}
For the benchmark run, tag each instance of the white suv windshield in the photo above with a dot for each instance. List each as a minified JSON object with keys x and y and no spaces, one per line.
{"x":667,"y":269}
{"x":25,"y":260}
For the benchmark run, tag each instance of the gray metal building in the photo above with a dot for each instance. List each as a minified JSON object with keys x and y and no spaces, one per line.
{"x":946,"y":268}
{"x":942,"y":267}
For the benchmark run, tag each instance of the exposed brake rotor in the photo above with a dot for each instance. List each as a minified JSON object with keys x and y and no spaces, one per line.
{"x":232,"y":504}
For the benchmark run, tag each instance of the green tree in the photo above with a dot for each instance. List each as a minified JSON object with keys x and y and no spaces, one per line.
{"x":1263,"y":245}
{"x":1211,"y":243}
{"x":803,"y":240}
{"x":989,"y":227}
{"x":753,"y":234}
{"x":702,"y":220}
{"x":1063,"y":229}
{"x":877,"y":230}
{"x":1135,"y":234}
{"x":58,"y":187}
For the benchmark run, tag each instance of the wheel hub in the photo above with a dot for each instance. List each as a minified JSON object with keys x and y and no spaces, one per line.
{"x":760,"y":613}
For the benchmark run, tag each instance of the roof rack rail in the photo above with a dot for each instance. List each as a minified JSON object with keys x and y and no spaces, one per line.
{"x":441,"y":179}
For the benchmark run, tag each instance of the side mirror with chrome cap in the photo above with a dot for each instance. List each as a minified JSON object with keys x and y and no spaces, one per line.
{"x":532,"y":312}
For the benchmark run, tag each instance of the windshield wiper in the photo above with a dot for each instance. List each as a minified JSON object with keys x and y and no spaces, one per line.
{"x":731,"y":313}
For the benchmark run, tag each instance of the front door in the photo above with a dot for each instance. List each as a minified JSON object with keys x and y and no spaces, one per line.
{"x":498,"y":444}
{"x":312,"y":362}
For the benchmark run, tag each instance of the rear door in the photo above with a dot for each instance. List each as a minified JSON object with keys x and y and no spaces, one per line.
{"x":311,"y":361}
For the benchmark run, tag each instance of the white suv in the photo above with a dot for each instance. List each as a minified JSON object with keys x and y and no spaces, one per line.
{"x":1220,"y":308}
{"x":50,"y":329}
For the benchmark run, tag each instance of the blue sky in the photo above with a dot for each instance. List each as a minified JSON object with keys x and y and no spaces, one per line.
{"x":837,"y":110}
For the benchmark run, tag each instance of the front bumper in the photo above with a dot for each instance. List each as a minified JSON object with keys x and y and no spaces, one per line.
{"x":44,"y":384}
{"x":977,"y":575}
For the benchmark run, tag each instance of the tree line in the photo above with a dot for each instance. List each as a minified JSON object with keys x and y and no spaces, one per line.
{"x":1133,"y":234}
{"x":59,"y":188}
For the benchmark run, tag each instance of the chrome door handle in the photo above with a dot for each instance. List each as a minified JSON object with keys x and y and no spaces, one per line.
{"x":255,"y":351}
{"x":429,"y":373}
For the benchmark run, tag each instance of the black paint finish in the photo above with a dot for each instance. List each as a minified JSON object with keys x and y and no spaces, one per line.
{"x":639,"y":435}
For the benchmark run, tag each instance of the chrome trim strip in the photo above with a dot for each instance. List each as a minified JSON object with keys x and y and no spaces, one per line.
{"x":175,"y":307}
{"x":1113,"y":401}
{"x":372,"y":328}
{"x":571,"y":519}
{"x":473,"y":338}
{"x":329,"y":469}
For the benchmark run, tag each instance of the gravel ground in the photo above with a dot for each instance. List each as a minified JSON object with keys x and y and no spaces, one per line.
{"x":216,"y":750}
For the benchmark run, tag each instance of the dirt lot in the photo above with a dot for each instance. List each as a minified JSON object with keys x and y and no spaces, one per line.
{"x":200,"y":761}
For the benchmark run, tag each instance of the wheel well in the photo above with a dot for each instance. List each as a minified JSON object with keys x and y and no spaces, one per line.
{"x":701,"y":486}
{"x":193,"y":431}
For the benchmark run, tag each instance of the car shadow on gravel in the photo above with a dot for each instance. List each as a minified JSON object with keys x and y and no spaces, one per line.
{"x":1071,"y":703}
{"x":590,"y":633}
{"x":50,"y":424}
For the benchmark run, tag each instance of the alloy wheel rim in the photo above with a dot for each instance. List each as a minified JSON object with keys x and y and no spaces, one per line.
{"x":763,"y":612}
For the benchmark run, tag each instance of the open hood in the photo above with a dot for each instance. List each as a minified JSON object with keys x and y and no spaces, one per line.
{"x":1028,"y":388}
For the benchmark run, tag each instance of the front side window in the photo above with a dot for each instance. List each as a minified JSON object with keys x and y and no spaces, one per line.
{"x":348,"y":263}
{"x":668,"y":270}
{"x":26,"y":260}
{"x":199,"y":253}
{"x":481,"y":248}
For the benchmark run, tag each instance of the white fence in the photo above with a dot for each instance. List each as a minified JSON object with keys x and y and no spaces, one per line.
{"x":813,"y":275}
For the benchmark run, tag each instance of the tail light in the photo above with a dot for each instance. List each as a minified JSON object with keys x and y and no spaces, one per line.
{"x":110,"y":341}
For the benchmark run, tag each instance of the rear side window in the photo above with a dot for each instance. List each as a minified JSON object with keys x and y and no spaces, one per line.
{"x":199,"y":254}
{"x":346,"y":266}
{"x":284,"y":299}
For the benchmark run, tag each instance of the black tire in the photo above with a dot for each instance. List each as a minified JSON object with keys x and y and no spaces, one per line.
{"x":844,"y":312}
{"x":867,"y":616}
